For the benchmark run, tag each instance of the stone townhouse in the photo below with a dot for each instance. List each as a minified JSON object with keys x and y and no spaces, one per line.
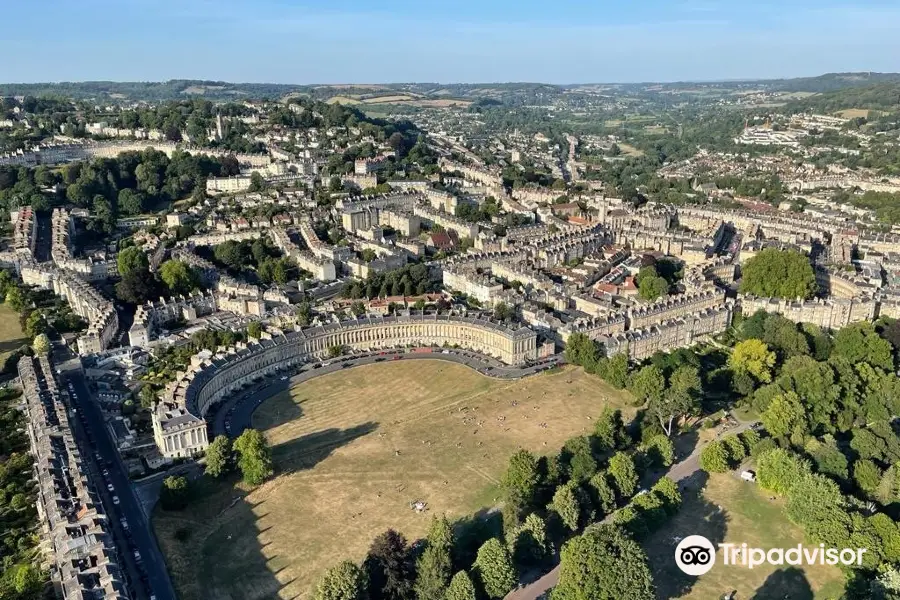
{"x":179,"y":421}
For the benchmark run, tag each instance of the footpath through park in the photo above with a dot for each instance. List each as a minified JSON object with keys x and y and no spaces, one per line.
{"x":677,"y":472}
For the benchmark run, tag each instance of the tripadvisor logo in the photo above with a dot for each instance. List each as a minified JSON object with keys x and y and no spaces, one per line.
{"x":696,"y":555}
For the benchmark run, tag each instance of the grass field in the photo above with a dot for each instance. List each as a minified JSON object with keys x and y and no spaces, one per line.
{"x":730,"y":510}
{"x":395,"y":99}
{"x":11,"y":335}
{"x":629,"y":150}
{"x":352,"y":451}
{"x":855,"y":113}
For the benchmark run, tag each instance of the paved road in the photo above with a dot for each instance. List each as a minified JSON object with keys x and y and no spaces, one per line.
{"x":235,"y":414}
{"x":677,"y":472}
{"x":139,"y":535}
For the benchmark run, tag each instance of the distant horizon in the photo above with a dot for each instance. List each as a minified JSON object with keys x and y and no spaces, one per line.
{"x":286,"y":41}
{"x":395,"y":83}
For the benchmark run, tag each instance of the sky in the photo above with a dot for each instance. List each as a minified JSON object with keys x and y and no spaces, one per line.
{"x":446,"y":41}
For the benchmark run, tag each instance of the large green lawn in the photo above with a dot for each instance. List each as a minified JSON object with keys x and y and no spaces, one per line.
{"x":11,"y":335}
{"x":730,"y":510}
{"x":352,"y":451}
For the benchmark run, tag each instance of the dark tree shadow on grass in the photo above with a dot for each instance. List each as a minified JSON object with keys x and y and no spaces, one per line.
{"x":471,"y":532}
{"x":785,"y":584}
{"x":226,"y":562}
{"x":309,"y":450}
{"x":697,"y":516}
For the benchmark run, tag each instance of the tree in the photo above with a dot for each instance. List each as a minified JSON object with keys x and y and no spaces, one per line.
{"x":609,"y":431}
{"x":504,"y":312}
{"x":681,"y":399}
{"x":494,"y":569}
{"x":521,"y":480}
{"x":648,"y":384}
{"x":614,"y":370}
{"x":604,"y":494}
{"x":27,"y":582}
{"x":389,"y":567}
{"x":131,"y":259}
{"x":778,"y":273}
{"x":567,"y":505}
{"x":828,"y":457}
{"x":581,"y":462}
{"x":529,"y":544}
{"x":888,"y":490}
{"x":147,"y":396}
{"x":581,"y":350}
{"x":886,"y":586}
{"x":218,"y":456}
{"x":174,"y":493}
{"x":131,"y":202}
{"x":753,"y":356}
{"x":604,"y":563}
{"x":398,"y":143}
{"x":304,"y":314}
{"x":254,"y":457}
{"x":651,"y":286}
{"x":257,"y":183}
{"x":254,"y":329}
{"x":867,"y":476}
{"x":667,"y":490}
{"x":344,"y":581}
{"x":714,"y":457}
{"x":35,"y":323}
{"x":104,"y":214}
{"x":661,"y":450}
{"x":41,"y":344}
{"x":178,"y":277}
{"x":461,"y":588}
{"x":785,"y":416}
{"x":434,"y":566}
{"x":735,"y":448}
{"x":137,"y":287}
{"x":782,"y":335}
{"x":779,"y":470}
{"x":15,"y":299}
{"x":624,"y":474}
{"x":860,"y":343}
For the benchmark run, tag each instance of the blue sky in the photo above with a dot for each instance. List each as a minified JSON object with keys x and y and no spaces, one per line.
{"x":554,"y":41}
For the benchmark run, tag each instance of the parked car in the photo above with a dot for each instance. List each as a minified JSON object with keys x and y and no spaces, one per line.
{"x":116,"y":500}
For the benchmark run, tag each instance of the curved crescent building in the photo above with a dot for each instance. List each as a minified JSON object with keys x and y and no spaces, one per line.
{"x":179,"y":424}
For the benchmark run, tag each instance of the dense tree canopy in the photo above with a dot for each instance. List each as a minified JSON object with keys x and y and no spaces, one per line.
{"x":389,"y":568}
{"x":178,"y":277}
{"x":495,"y":569}
{"x":753,"y":356}
{"x":345,"y":581}
{"x":218,"y":456}
{"x":778,"y":273}
{"x":604,"y":563}
{"x":254,"y":457}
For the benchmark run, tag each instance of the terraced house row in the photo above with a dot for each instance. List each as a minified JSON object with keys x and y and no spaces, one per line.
{"x":76,"y":541}
{"x":179,"y":425}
